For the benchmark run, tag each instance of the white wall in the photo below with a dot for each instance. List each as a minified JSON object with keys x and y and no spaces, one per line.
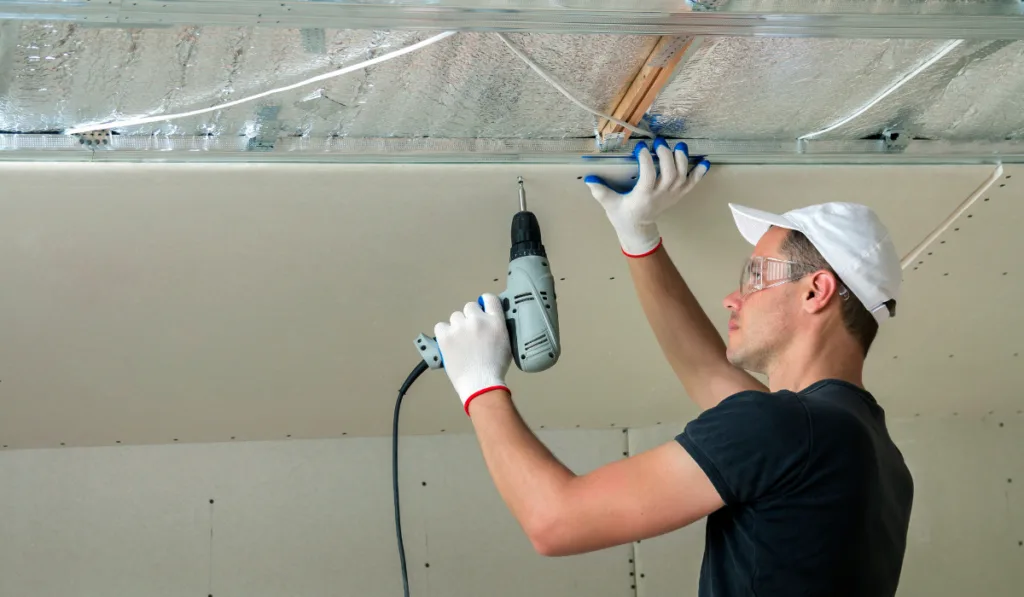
{"x":309,"y":518}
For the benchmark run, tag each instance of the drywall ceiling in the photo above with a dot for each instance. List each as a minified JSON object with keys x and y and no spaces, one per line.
{"x":153,"y":303}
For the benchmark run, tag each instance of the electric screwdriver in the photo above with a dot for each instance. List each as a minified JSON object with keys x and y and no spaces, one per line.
{"x":529,"y":300}
{"x":531,"y":317}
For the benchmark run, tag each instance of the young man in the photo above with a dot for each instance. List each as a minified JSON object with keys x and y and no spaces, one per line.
{"x":803,"y":490}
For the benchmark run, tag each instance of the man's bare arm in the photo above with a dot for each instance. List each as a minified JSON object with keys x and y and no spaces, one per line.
{"x":691,"y":344}
{"x":687,"y":337}
{"x":635,"y":498}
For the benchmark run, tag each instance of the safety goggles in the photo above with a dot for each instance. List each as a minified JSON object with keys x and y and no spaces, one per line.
{"x":761,"y":272}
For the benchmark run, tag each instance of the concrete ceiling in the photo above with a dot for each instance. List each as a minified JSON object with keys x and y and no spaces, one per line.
{"x":153,"y":303}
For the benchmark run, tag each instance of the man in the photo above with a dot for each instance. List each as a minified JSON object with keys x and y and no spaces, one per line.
{"x":803,"y":490}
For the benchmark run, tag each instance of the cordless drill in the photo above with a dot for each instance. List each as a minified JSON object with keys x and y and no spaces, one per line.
{"x":529,"y":300}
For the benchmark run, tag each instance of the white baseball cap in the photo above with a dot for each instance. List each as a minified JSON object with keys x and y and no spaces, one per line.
{"x":851,"y":238}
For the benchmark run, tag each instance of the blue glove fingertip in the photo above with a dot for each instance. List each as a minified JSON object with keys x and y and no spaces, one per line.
{"x":594,"y":179}
{"x":641,"y":146}
{"x":660,"y":142}
{"x":683,"y":147}
{"x":706,"y":164}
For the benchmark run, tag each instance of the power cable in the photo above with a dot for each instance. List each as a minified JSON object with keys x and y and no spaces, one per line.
{"x":945,"y":49}
{"x":558,"y":86}
{"x":416,"y":372}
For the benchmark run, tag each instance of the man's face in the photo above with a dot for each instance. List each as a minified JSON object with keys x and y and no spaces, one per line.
{"x":760,"y":324}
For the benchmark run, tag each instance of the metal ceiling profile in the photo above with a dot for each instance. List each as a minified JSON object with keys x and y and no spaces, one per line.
{"x":785,"y":81}
{"x":931,"y":19}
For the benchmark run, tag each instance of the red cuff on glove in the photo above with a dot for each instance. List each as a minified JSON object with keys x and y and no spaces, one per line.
{"x":481,"y":392}
{"x":651,"y":252}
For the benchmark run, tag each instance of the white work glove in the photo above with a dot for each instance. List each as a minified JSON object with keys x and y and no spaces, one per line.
{"x":633,"y":214}
{"x":475,"y":349}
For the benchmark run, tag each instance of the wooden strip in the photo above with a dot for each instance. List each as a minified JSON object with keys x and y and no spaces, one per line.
{"x":648,"y":83}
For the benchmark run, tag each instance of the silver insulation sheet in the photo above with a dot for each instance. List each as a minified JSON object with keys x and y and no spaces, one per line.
{"x":783,"y":88}
{"x":976,"y":92}
{"x":56,"y":75}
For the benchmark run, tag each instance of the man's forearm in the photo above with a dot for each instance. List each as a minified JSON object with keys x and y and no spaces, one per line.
{"x":531,"y":481}
{"x":691,"y":343}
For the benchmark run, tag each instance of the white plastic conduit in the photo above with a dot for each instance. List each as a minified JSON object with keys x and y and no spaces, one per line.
{"x":959,"y":211}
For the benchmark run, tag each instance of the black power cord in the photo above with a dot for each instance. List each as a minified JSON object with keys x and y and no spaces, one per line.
{"x":416,"y":372}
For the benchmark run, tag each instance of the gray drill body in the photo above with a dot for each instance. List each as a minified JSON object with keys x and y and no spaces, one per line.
{"x":529,"y":301}
{"x":531,"y":313}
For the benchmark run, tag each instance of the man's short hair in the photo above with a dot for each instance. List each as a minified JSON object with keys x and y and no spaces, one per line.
{"x":857,"y":319}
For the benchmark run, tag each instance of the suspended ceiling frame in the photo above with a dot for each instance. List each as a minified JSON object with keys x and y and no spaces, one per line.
{"x":992,"y":20}
{"x":355,"y":150}
{"x":975,"y":21}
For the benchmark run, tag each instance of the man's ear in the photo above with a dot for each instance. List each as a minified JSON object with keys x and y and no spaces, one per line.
{"x":821,"y":288}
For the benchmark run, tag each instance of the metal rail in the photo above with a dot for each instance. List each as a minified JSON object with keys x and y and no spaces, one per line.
{"x":793,"y":18}
{"x":199,"y":149}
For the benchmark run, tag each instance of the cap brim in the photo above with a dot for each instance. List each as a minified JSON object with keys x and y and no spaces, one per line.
{"x":753,"y":223}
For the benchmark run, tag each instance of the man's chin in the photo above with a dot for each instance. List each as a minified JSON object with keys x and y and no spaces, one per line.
{"x":734,"y":356}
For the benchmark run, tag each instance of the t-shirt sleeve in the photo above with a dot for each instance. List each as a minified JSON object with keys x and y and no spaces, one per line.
{"x":750,"y":445}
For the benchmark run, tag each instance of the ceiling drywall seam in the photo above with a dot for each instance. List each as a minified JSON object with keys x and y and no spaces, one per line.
{"x":637,"y":97}
{"x":981,"y":190}
{"x":636,"y":565}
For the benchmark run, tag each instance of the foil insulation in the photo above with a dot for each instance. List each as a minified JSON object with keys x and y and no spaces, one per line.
{"x":55,"y":75}
{"x":975,"y":93}
{"x":469,"y":85}
{"x":783,"y":88}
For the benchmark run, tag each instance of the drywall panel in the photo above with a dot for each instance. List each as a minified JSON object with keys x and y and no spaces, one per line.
{"x":314,"y":517}
{"x":957,"y":329}
{"x":669,"y":564}
{"x":110,"y":521}
{"x":967,"y":527}
{"x":966,"y":532}
{"x":147,"y":303}
{"x":263,"y":519}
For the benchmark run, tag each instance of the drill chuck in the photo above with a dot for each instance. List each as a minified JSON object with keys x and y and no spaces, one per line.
{"x":526,"y":240}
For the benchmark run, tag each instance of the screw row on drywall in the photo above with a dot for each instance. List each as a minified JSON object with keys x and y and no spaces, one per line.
{"x":175,"y":440}
{"x":957,"y":229}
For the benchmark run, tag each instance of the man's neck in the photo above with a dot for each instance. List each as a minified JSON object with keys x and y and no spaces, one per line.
{"x":805,"y":364}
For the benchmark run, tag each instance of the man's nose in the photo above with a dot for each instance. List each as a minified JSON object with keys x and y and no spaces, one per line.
{"x":733,"y":301}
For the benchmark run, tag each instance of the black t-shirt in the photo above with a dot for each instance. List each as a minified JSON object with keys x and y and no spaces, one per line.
{"x":817,"y":496}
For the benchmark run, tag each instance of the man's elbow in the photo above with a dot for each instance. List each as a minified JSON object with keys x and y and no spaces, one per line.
{"x":548,"y":546}
{"x":548,"y":536}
